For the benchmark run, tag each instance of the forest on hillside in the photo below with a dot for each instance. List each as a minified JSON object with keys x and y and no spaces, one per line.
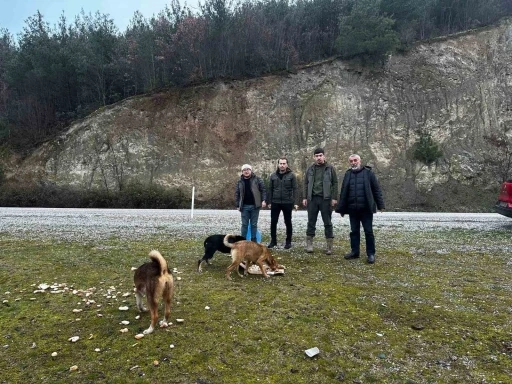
{"x":50,"y":76}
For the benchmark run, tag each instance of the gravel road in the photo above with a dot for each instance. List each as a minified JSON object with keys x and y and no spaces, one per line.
{"x":97,"y":224}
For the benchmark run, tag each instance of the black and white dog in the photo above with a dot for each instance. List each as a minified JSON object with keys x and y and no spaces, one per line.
{"x":213,"y":244}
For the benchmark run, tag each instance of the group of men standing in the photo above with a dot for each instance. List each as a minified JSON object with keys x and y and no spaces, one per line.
{"x":360,"y":197}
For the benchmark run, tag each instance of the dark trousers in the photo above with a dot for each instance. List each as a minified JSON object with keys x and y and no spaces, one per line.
{"x":275,"y":210}
{"x":315,"y":205}
{"x":366,"y":219}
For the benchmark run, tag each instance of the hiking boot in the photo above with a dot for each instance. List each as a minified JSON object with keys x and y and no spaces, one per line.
{"x":309,"y":244}
{"x":272,"y":244}
{"x":351,"y":255}
{"x":371,"y":259}
{"x":288,"y":245}
{"x":328,"y":248}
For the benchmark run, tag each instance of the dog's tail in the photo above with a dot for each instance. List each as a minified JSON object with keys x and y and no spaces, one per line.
{"x":226,"y":241}
{"x":156,"y":256}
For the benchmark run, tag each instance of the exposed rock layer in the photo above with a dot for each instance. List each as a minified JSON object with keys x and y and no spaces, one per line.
{"x":458,"y":89}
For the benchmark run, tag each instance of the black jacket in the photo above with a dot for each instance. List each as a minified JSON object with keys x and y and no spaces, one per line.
{"x":257,"y":188}
{"x":360,"y":190}
{"x":283,"y":190}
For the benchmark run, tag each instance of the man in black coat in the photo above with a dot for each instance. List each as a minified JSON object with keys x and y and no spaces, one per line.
{"x":282,"y":196}
{"x":360,"y":197}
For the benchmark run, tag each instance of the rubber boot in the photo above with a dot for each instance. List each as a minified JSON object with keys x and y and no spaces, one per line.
{"x":328,"y":248}
{"x":309,"y":244}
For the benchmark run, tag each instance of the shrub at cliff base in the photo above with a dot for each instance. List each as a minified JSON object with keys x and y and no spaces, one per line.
{"x":132,"y":196}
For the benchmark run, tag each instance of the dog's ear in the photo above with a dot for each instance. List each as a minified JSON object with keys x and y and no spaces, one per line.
{"x":271,"y":261}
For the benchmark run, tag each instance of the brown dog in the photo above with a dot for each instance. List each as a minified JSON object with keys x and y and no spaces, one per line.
{"x":154,"y":280}
{"x":251,"y":252}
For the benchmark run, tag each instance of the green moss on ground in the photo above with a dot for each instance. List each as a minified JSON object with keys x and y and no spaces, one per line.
{"x":432,"y":309}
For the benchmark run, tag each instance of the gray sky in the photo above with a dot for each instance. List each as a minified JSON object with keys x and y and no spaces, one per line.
{"x":13,"y":13}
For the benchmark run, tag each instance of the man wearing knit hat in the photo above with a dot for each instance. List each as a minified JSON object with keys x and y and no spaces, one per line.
{"x":321,"y":190}
{"x":250,"y":196}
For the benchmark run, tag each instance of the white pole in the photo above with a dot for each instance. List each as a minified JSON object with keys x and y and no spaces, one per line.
{"x":192,"y":207}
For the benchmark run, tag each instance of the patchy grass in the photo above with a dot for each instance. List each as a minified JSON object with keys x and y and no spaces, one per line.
{"x":433,"y":309}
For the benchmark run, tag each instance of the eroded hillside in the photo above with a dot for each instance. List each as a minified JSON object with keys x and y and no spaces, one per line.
{"x":457,"y":90}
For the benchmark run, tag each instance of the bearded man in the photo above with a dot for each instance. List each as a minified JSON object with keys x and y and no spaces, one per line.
{"x":360,"y":197}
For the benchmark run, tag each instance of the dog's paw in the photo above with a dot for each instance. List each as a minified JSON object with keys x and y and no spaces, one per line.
{"x":148,"y":331}
{"x":163,"y":324}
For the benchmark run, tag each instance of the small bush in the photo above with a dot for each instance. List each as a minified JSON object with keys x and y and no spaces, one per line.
{"x":426,"y":150}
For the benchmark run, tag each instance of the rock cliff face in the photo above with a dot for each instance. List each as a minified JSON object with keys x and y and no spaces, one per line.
{"x":459,"y":90}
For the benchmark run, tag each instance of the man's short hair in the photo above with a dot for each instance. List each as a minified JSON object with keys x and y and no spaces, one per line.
{"x":282,"y":158}
{"x":356,"y":156}
{"x":318,"y":150}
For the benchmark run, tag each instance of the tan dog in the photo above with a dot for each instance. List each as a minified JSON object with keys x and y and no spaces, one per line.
{"x":154,"y":280}
{"x":251,"y":252}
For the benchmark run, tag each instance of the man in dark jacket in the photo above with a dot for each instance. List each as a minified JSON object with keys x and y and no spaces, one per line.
{"x":250,"y":196}
{"x":282,"y":195}
{"x":360,"y":197}
{"x":320,"y":189}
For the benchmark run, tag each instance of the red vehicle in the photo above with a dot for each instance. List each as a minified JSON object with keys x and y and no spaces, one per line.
{"x":504,"y":204}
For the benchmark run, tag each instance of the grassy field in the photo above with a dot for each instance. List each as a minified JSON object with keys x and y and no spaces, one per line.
{"x":433,"y":309}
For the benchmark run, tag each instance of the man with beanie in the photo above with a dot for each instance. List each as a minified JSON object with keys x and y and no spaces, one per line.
{"x":282,"y":195}
{"x":360,"y":197}
{"x":250,"y":196}
{"x":321,"y":190}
